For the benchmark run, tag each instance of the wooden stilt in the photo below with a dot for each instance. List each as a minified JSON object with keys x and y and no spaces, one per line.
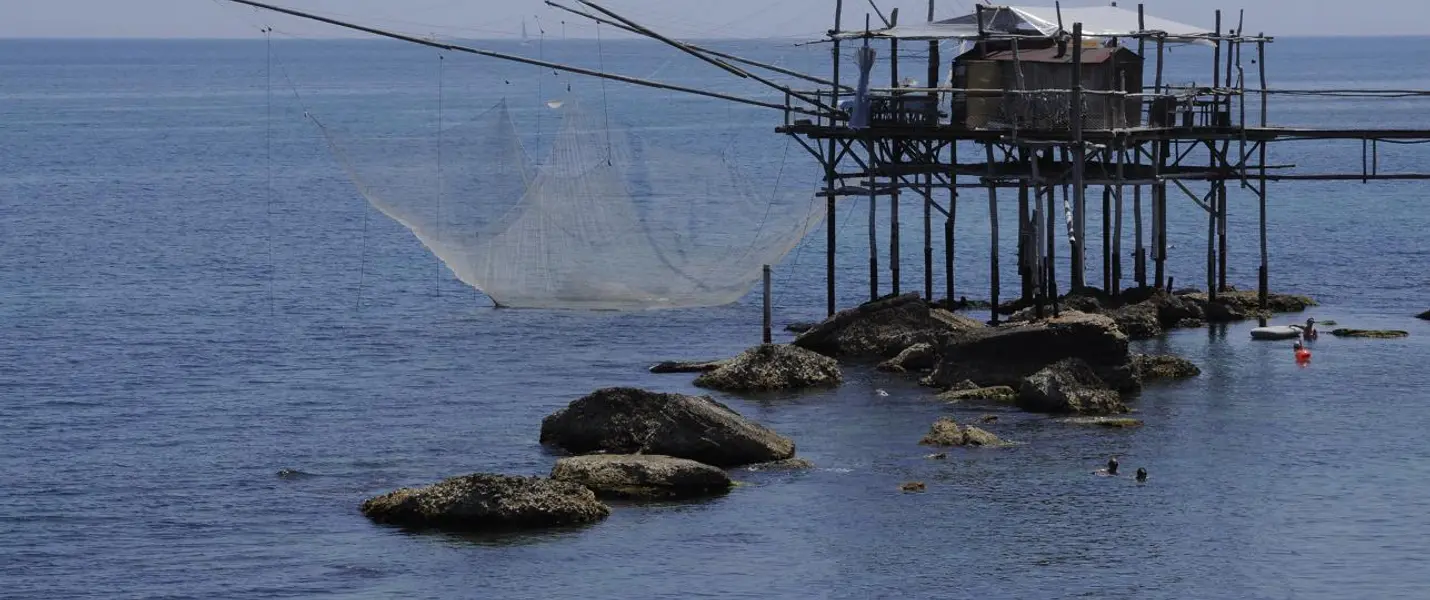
{"x":1025,"y":238}
{"x":1264,"y":275}
{"x":829,"y":172}
{"x":873,"y":228}
{"x":949,"y":222}
{"x":1107,"y":238}
{"x":993,"y":231}
{"x":1116,"y":287}
{"x":1079,"y":159}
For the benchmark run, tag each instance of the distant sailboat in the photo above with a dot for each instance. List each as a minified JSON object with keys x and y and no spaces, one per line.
{"x":525,"y":41}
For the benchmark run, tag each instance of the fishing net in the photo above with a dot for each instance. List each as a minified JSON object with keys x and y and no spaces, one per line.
{"x":610,"y":218}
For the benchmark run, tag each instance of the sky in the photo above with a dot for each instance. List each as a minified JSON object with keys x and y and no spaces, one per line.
{"x":701,"y":19}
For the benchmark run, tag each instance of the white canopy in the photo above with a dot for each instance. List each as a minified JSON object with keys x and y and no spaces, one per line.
{"x":1037,"y":21}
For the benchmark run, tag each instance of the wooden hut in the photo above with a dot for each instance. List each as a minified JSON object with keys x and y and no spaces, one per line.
{"x":1032,"y":88}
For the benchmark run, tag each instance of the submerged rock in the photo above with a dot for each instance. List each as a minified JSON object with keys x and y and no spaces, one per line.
{"x":883,"y":328}
{"x":1163,"y":366}
{"x":1380,"y":334}
{"x":673,"y":366}
{"x":487,"y":502}
{"x":642,"y":476}
{"x":788,"y":464}
{"x":912,"y":486}
{"x":1236,"y":306}
{"x":772,"y":367}
{"x":1068,"y":386}
{"x":947,"y":432}
{"x":1005,"y":355}
{"x":918,"y":357}
{"x":800,"y":327}
{"x":1109,"y":422}
{"x":635,"y":421}
{"x":997,"y":393}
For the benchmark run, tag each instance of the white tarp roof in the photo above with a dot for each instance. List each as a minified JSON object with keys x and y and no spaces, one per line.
{"x":1037,"y":21}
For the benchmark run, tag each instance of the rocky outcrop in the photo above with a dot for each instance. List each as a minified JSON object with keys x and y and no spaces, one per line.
{"x":1068,"y":386}
{"x":883,"y":328}
{"x":635,"y":421}
{"x":1237,"y":306}
{"x":486,"y":502}
{"x":1151,"y":367}
{"x":642,"y":476}
{"x":997,"y":393}
{"x":800,"y":327}
{"x":1425,"y":315}
{"x":675,"y":366}
{"x":1379,"y":334}
{"x":947,"y":432}
{"x":918,"y":357}
{"x":1005,"y":355}
{"x":1138,"y":321}
{"x":772,"y":367}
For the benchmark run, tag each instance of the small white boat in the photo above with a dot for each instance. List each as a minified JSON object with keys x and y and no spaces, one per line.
{"x":1276,"y":332}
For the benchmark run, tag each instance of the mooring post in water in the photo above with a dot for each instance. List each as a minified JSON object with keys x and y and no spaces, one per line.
{"x":767,"y":334}
{"x":993,"y":231}
{"x":1079,"y":157}
{"x":1263,"y":278}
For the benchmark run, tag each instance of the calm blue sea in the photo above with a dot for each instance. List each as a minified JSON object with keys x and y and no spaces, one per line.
{"x":175,"y":330}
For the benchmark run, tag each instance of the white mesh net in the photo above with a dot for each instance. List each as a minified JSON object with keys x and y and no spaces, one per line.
{"x":609,"y":220}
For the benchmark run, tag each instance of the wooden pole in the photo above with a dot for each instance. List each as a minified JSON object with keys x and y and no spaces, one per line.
{"x":829,"y":174}
{"x":1039,"y":264}
{"x":1116,"y":287}
{"x":1139,"y":262}
{"x":1211,"y":201}
{"x":873,"y":227}
{"x":949,"y":221}
{"x":1221,"y":213}
{"x":993,"y":230}
{"x":1107,"y":238}
{"x":1025,"y":254}
{"x":933,"y":69}
{"x":896,"y":158}
{"x":767,"y":333}
{"x":1079,"y":153}
{"x":928,"y":229}
{"x":1264,"y":275}
{"x":1159,"y":213}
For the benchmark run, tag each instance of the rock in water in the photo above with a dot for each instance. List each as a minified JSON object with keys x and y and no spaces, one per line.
{"x":1163,"y":366}
{"x":918,"y":357}
{"x":675,"y":366}
{"x":1068,"y":386}
{"x":772,"y":367}
{"x":642,"y":476}
{"x":1108,"y":422}
{"x":883,"y":328}
{"x":635,"y":421}
{"x":788,"y":464}
{"x":486,"y":502}
{"x":1379,"y":334}
{"x":1005,"y":355}
{"x":997,"y":393}
{"x":947,"y":432}
{"x":1138,"y":321}
{"x":1425,"y":315}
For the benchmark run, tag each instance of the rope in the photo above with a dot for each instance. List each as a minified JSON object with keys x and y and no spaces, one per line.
{"x":441,"y":60}
{"x":268,"y":152}
{"x":605,"y":105}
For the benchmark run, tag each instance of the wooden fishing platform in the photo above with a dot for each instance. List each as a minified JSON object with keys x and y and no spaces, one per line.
{"x":1056,"y":111}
